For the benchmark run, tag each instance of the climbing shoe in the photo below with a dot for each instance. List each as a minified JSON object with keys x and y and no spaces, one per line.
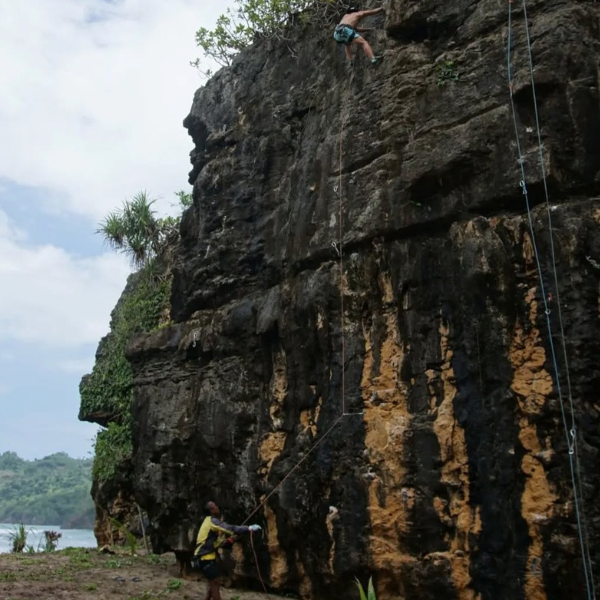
{"x":376,"y":60}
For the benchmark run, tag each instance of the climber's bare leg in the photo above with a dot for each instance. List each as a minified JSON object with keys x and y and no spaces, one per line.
{"x":365,"y":46}
{"x":214,"y":592}
{"x":349,"y":54}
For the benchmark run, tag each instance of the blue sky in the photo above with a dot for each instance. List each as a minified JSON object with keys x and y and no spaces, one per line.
{"x":93,"y":96}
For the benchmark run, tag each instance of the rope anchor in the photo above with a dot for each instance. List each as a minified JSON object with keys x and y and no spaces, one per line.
{"x":523,"y":187}
{"x":335,"y":247}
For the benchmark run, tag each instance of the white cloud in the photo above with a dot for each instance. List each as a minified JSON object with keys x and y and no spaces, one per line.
{"x":94,"y":95}
{"x":8,"y":230}
{"x":53,"y":298}
{"x":77,"y":366}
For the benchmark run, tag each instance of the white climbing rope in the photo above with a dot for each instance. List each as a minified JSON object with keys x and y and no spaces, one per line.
{"x":570,"y":431}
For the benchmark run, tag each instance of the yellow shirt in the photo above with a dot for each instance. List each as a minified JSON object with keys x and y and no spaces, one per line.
{"x":213,"y":532}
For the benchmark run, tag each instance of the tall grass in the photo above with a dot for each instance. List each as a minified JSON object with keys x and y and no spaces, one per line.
{"x":18,"y":538}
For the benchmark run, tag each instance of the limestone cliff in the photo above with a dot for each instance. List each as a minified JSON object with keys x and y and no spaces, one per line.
{"x":451,"y":476}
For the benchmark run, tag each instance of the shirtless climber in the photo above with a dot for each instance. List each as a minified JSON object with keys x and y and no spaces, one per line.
{"x":347,"y":33}
{"x":213,"y":534}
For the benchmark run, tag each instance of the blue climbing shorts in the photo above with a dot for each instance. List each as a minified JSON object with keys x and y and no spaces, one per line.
{"x":344,"y":34}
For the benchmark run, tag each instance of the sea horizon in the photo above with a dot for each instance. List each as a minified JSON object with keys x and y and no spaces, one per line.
{"x":78,"y":538}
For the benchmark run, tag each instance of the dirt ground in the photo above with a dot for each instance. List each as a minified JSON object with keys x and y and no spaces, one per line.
{"x":83,"y":574}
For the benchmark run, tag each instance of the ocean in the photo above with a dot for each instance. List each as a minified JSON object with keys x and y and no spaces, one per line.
{"x":81,"y":538}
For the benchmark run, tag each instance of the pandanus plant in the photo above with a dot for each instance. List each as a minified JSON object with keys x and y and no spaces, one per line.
{"x":135,"y":230}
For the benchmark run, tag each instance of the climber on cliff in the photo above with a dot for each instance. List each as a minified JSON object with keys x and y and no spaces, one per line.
{"x":213,"y":534}
{"x":347,"y":33}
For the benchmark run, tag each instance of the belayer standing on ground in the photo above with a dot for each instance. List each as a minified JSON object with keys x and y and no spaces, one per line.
{"x":212,"y":535}
{"x":347,"y":32}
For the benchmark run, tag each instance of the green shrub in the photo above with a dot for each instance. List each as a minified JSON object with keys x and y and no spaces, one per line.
{"x":51,"y":540}
{"x":153,"y":559}
{"x":108,"y":389}
{"x":174,"y":584}
{"x":112,"y":447}
{"x":446,"y":72}
{"x":254,"y":19}
{"x":113,"y":563}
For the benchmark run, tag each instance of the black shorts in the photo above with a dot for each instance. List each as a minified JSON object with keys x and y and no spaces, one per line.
{"x":211,"y":569}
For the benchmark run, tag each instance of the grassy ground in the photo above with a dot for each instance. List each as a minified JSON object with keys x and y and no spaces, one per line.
{"x":82,"y":574}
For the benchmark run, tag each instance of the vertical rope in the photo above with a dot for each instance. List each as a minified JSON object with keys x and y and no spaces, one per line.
{"x":341,"y":251}
{"x":257,"y":567}
{"x":578,"y":489}
{"x":569,"y":432}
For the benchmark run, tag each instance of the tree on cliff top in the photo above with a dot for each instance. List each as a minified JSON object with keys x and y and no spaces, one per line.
{"x":136,"y":231}
{"x":261,"y":19}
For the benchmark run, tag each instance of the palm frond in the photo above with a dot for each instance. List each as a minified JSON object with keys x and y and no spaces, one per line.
{"x":134,"y":229}
{"x":113,"y":230}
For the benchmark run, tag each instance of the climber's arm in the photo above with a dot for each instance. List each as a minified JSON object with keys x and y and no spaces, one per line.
{"x":367,"y":13}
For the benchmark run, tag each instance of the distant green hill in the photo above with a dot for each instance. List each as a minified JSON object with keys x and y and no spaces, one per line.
{"x":54,"y":490}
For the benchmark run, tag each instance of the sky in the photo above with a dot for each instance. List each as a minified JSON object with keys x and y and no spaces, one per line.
{"x":93,"y":97}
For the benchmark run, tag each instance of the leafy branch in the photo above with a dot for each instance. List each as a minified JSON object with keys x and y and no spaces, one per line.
{"x":251,"y":20}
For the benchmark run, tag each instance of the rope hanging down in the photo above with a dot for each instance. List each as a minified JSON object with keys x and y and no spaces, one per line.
{"x":340,"y":250}
{"x":262,"y":581}
{"x":570,"y":431}
{"x":573,"y":430}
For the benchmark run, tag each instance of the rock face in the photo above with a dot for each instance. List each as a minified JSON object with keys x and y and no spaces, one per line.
{"x":449,"y":475}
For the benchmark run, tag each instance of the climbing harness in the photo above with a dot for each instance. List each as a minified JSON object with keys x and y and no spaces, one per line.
{"x":570,"y":431}
{"x":344,"y":34}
